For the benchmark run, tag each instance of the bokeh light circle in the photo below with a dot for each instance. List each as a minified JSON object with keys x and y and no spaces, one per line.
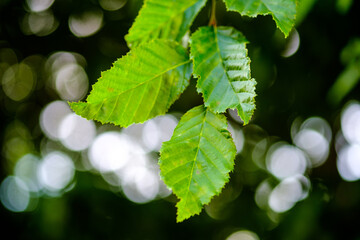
{"x":56,"y":171}
{"x":14,"y":194}
{"x":76,"y":133}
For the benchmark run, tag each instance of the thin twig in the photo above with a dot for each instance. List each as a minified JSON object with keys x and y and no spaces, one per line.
{"x":212,"y":21}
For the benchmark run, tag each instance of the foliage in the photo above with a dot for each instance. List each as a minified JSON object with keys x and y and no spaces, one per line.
{"x":144,"y":84}
{"x":163,"y":19}
{"x":201,"y":167}
{"x":282,"y":11}
{"x":223,"y":69}
{"x":140,"y":86}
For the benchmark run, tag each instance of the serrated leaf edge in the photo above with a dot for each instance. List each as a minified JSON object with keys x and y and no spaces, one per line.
{"x":227,"y":175}
{"x":222,"y":63}
{"x":137,"y":19}
{"x":129,"y":54}
{"x":286,"y":34}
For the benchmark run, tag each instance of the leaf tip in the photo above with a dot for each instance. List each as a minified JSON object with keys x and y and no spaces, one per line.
{"x":77,"y":107}
{"x":184,"y":212}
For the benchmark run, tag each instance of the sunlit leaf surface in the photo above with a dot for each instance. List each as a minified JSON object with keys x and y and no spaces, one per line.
{"x":282,"y":11}
{"x":141,"y":85}
{"x":223,"y":68}
{"x":197,"y":160}
{"x":163,"y":19}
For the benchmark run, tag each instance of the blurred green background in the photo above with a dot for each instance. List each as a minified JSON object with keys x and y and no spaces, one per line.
{"x":298,"y":165}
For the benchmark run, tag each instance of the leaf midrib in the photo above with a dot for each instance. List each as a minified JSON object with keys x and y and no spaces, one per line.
{"x":142,"y":83}
{"x":197,"y":152}
{"x":223,"y":65}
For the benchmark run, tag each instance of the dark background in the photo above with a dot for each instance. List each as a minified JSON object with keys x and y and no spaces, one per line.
{"x":287,"y":88}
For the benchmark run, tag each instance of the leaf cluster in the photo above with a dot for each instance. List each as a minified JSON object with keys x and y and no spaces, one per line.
{"x":196,"y":162}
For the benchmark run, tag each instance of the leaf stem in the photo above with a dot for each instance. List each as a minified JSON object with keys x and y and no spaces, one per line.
{"x":212,"y":21}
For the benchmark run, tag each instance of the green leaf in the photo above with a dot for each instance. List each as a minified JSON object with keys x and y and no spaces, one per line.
{"x":140,"y":85}
{"x":223,"y":68}
{"x":282,"y":11}
{"x":196,"y":162}
{"x":163,"y":19}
